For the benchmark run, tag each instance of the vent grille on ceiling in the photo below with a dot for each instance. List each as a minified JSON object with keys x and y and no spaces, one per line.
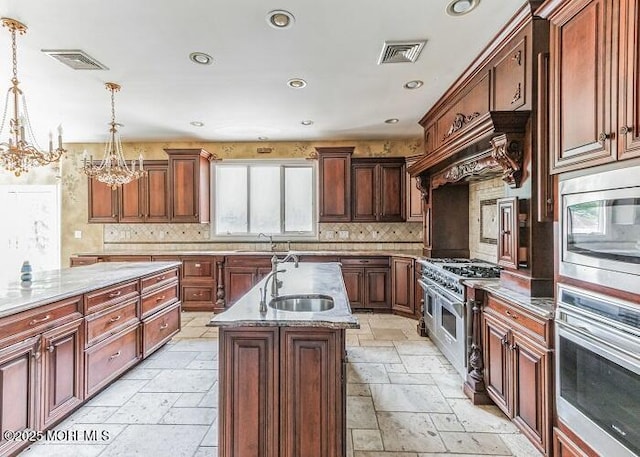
{"x":76,"y":59}
{"x":400,"y":51}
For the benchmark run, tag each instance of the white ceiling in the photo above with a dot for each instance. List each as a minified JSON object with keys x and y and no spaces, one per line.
{"x":334,"y":45}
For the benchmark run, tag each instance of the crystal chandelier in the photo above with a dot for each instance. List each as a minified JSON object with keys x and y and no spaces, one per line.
{"x":21,"y":152}
{"x":113,"y":169}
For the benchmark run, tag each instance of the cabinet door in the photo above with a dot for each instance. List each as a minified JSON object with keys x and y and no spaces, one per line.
{"x":335,"y":184}
{"x":354,"y":283}
{"x":531,"y":401}
{"x":377,"y":288}
{"x":103,"y":202}
{"x":508,"y":232}
{"x":364,"y":192}
{"x":185,"y":192}
{"x":402,"y":286}
{"x":62,"y":372}
{"x":414,"y":201}
{"x":238,"y":281}
{"x":17,"y":390}
{"x":310,"y":395}
{"x":495,"y":346}
{"x":249,"y":392}
{"x":629,"y":99}
{"x":157,"y":193}
{"x":582,"y":92}
{"x":131,"y":201}
{"x":391,"y":198}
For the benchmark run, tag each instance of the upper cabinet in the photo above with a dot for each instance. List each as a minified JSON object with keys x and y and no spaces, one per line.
{"x":146,"y":199}
{"x":189,"y":172}
{"x":103,"y":202}
{"x":335,"y":184}
{"x":378,"y":187}
{"x":414,"y":198}
{"x":595,"y":100}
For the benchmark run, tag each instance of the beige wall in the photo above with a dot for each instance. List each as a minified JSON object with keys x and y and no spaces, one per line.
{"x":74,"y":183}
{"x":478,"y":192}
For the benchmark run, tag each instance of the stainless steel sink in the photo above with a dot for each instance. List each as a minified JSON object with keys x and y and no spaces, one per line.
{"x":302,"y":303}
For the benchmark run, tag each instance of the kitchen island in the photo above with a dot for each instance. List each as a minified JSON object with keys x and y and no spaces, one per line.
{"x":71,"y":332}
{"x":282,"y":373}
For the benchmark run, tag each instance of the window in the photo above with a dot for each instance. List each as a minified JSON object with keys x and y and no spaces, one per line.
{"x":276,"y":198}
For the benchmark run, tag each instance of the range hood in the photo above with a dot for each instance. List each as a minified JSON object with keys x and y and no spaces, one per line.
{"x":491,"y":144}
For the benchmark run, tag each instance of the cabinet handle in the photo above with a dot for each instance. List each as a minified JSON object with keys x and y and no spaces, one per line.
{"x":164,"y":326}
{"x":160,"y":298}
{"x":503,"y":340}
{"x":603,"y":137}
{"x":51,"y":348}
{"x":38,"y":321}
{"x":113,"y":215}
{"x":140,"y":215}
{"x":506,"y":232}
{"x":115,"y":356}
{"x":513,"y":346}
{"x":115,"y":294}
{"x":364,"y":261}
{"x":115,"y":319}
{"x":624,"y":130}
{"x":511,"y":315}
{"x":161,"y":278}
{"x":197,"y":265}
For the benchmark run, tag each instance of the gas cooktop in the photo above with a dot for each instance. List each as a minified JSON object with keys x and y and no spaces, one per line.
{"x":473,"y":270}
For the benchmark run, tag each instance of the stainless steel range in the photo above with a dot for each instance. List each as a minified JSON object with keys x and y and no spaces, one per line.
{"x":447,"y":318}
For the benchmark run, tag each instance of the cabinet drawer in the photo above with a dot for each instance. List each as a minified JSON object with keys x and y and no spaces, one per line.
{"x":22,"y":325}
{"x":198,"y":268}
{"x":365,"y":261}
{"x":248,"y":261}
{"x":103,"y":298}
{"x":110,"y":321}
{"x":197,"y":294}
{"x":159,"y":329}
{"x":158,"y":279}
{"x":128,"y":258}
{"x":538,"y":328}
{"x":110,"y":358}
{"x":159,"y":299}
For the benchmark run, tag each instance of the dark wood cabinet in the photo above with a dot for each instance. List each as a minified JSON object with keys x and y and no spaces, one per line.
{"x":583,"y":53}
{"x":335,"y":184}
{"x":402,"y":286}
{"x":62,"y":372}
{"x":508,"y":241}
{"x":517,"y":367}
{"x":567,"y":444}
{"x":629,"y":80}
{"x":298,"y":406}
{"x":201,"y":276}
{"x":368,"y":282}
{"x":103,"y":202}
{"x":414,"y":200}
{"x":242,"y":273}
{"x":378,"y":190}
{"x":156,"y":196}
{"x":189,"y":173}
{"x":509,"y":78}
{"x":18,"y":392}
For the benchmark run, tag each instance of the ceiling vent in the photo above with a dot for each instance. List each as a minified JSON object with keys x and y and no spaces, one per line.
{"x":76,"y":59}
{"x":400,"y":51}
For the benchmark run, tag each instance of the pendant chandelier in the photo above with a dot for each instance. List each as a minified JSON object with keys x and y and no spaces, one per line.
{"x":21,"y":152}
{"x":113,"y":169}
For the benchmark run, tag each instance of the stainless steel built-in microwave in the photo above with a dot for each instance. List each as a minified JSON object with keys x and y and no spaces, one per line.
{"x":600,"y":227}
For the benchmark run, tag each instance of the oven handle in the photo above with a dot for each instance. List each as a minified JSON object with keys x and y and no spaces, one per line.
{"x":448,"y":303}
{"x":424,"y":285}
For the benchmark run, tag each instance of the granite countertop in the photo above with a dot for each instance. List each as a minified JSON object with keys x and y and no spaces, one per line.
{"x":541,"y":306}
{"x":410,"y":253}
{"x":308,"y":278}
{"x":50,"y":286}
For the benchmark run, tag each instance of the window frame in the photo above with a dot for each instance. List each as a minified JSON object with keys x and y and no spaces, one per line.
{"x":283,"y":164}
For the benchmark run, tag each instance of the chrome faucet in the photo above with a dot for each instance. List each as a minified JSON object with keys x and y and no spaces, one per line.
{"x":272,"y":245}
{"x":276,"y":284}
{"x":263,"y":292}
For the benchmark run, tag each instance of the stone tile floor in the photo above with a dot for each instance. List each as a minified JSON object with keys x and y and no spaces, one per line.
{"x":404,"y":400}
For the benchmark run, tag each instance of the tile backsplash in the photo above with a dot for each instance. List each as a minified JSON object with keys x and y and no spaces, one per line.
{"x":481,"y":191}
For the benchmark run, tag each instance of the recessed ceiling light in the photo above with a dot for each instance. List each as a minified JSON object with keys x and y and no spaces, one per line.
{"x":460,"y":7}
{"x":306,"y":122}
{"x":296,"y":83}
{"x":197,"y":123}
{"x":263,"y":138}
{"x":392,"y":121}
{"x":415,"y":84}
{"x":280,"y":19}
{"x":200,"y":58}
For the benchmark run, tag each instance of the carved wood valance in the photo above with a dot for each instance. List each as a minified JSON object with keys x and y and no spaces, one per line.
{"x":500,"y":133}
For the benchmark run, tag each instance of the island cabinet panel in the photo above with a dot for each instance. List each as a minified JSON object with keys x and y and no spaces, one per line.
{"x":159,"y":328}
{"x":402,"y":286}
{"x":335,"y":184}
{"x":18,"y":391}
{"x":62,"y":372}
{"x":312,"y":404}
{"x":249,"y":392}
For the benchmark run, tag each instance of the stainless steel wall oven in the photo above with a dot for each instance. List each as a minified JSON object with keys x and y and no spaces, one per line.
{"x":598,"y":370}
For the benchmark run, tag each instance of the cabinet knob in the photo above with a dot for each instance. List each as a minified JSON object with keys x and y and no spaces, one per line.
{"x":603,"y":137}
{"x":511,"y":315}
{"x":624,"y":130}
{"x":51,"y":348}
{"x":115,"y":319}
{"x":113,"y":215}
{"x":506,"y":232}
{"x":115,"y":294}
{"x":164,"y":326}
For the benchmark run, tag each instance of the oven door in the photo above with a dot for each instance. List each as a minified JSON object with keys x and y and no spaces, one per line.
{"x":597,"y":388}
{"x":429,"y":304}
{"x":450,"y":331}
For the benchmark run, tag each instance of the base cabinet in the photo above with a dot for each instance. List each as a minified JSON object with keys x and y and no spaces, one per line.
{"x":368,"y":282}
{"x":282,"y":392}
{"x":402,"y":286}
